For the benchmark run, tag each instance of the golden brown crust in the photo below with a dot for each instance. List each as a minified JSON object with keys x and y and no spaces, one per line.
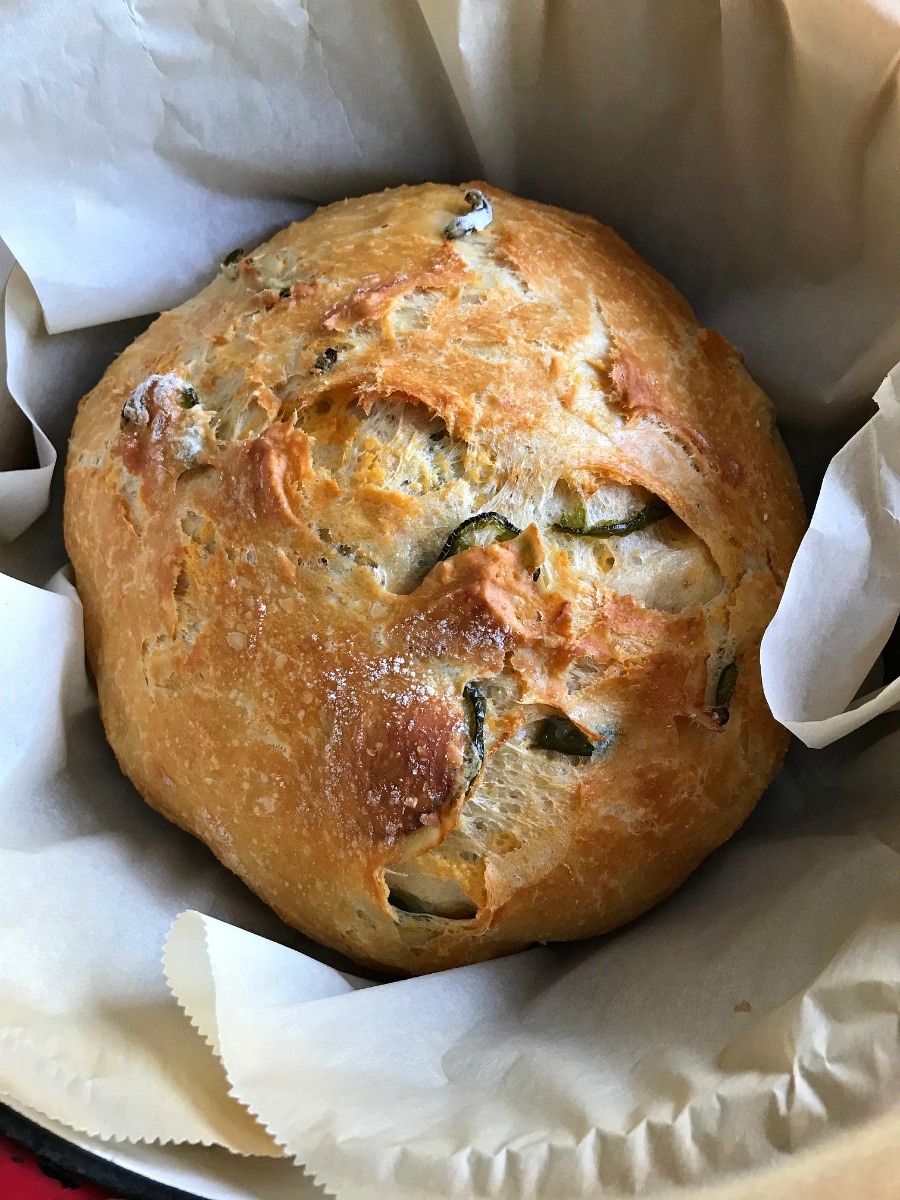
{"x":282,"y":662}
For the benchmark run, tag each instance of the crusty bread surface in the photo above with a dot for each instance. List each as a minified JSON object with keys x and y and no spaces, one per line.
{"x":427,"y":750}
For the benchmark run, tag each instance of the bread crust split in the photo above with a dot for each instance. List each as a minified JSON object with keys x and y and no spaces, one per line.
{"x":426,"y":763}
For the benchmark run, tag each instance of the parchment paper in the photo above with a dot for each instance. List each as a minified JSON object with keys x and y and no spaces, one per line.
{"x":845,"y":586}
{"x":750,"y":152}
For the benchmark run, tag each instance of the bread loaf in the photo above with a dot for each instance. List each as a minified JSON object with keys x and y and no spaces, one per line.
{"x":425,"y":557}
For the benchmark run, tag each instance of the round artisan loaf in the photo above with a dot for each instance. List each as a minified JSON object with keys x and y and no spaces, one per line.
{"x":425,"y":557}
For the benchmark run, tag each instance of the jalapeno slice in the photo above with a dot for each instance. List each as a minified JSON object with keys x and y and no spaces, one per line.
{"x":476,"y":710}
{"x":562,"y":736}
{"x":727,"y":683}
{"x":468,"y":534}
{"x":576,"y":524}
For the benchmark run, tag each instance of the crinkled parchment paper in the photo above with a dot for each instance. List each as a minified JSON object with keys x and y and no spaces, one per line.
{"x":750,"y":152}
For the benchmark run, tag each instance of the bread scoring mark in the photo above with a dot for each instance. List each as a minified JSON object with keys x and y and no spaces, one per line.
{"x":582,"y":375}
{"x":640,"y":395}
{"x":495,"y":274}
{"x":373,"y":299}
{"x":410,"y":313}
{"x":391,"y":443}
{"x":402,"y":446}
{"x":395,"y":472}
